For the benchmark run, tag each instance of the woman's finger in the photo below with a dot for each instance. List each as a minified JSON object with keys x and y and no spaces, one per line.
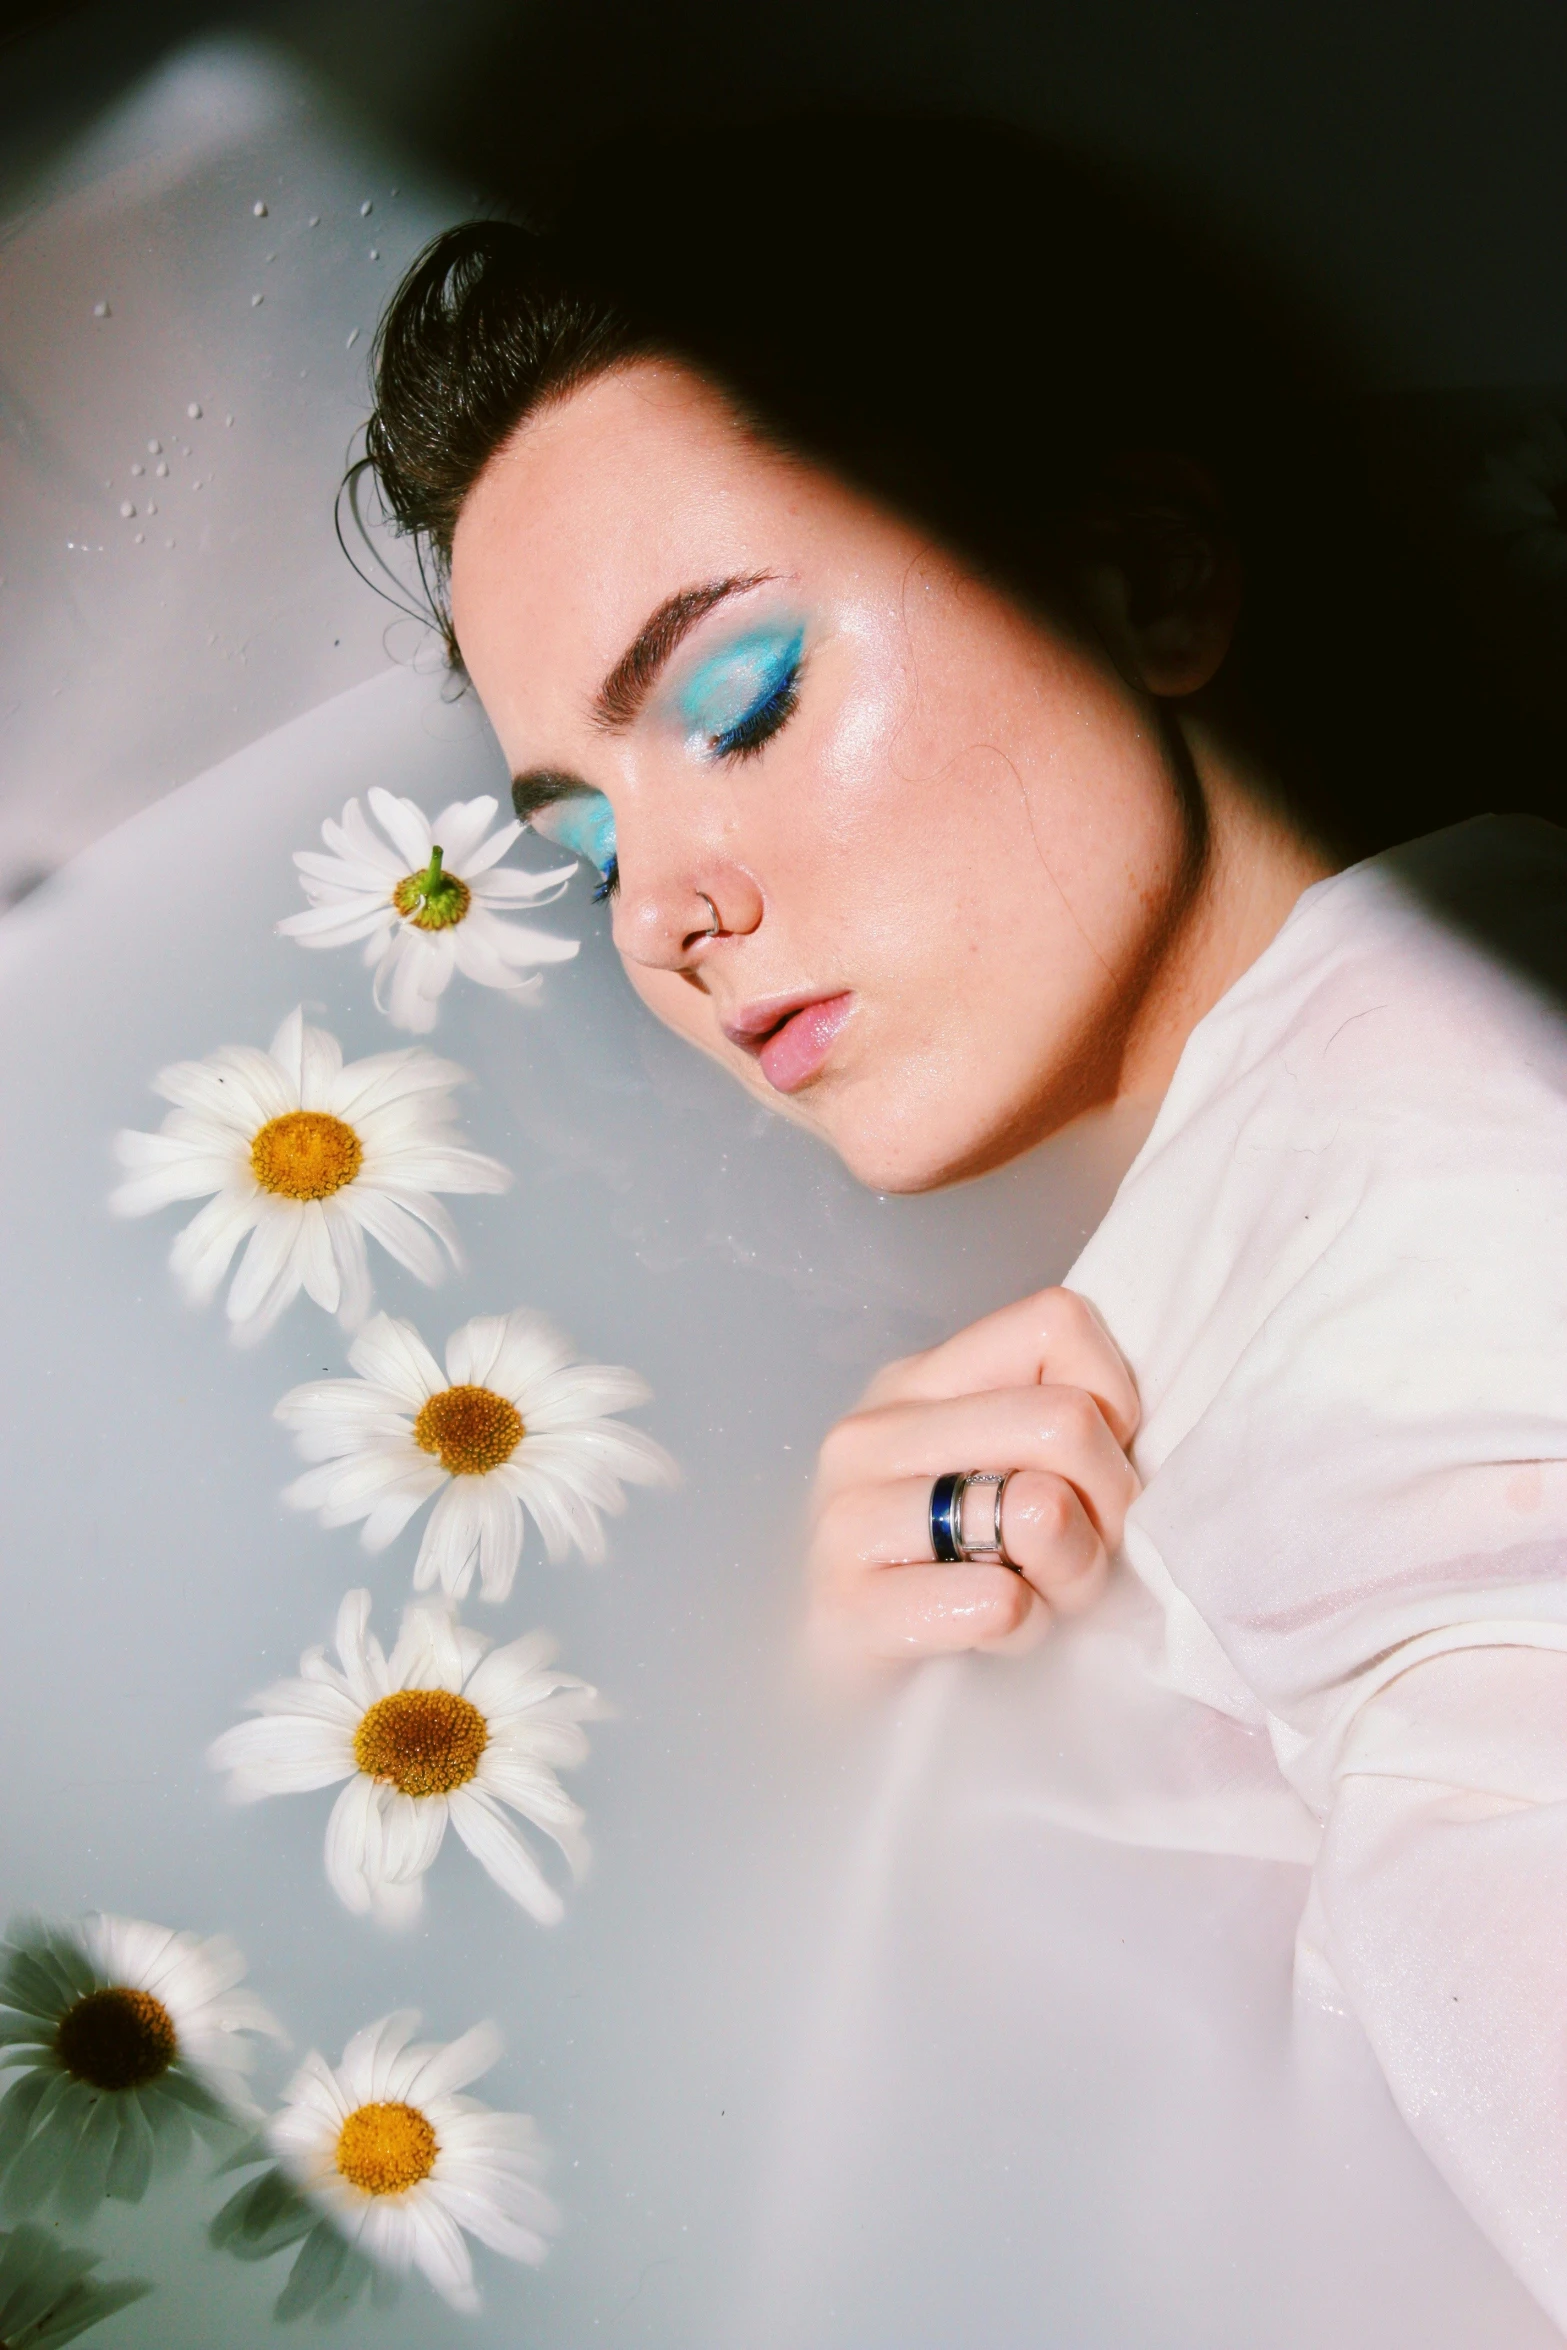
{"x":1046,"y":1533}
{"x":1060,"y":1430}
{"x":924,"y":1611}
{"x":1053,"y":1338}
{"x":1052,"y":1540}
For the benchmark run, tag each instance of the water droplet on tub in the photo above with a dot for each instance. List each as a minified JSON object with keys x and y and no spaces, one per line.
{"x":138,"y":471}
{"x":100,"y":310}
{"x":194,"y":409}
{"x":259,"y":209}
{"x":141,"y":538}
{"x":375,"y":252}
{"x":315,"y":220}
{"x":126,"y":509}
{"x":256,"y":301}
{"x":353,"y":338}
{"x":161,"y":469}
{"x":168,"y":542}
{"x":152,"y":505}
{"x":228,"y":419}
{"x":155,"y":448}
{"x":365,"y":209}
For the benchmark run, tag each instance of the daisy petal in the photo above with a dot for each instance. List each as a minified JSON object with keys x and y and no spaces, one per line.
{"x":202,"y":1253}
{"x":353,"y":1843}
{"x":498,"y":1849}
{"x":404,"y":825}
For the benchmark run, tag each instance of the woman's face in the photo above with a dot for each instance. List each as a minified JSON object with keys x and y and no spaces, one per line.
{"x":899,"y":857}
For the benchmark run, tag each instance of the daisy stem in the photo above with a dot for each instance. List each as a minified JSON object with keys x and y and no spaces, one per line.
{"x":433,"y":899}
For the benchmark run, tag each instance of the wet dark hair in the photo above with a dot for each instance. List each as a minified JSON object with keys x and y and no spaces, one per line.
{"x":986,"y":339}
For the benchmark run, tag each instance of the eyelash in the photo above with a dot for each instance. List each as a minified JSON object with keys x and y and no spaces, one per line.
{"x":748,"y":735}
{"x":752,"y":732}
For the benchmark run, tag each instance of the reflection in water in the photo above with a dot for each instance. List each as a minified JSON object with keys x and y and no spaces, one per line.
{"x":444,"y":1728}
{"x":48,"y":2294}
{"x":400,"y":2165}
{"x":125,"y":2038}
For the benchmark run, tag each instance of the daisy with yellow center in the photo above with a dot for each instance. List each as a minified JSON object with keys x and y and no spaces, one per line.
{"x":513,"y":1426}
{"x":309,"y":1158}
{"x":123,"y":2037}
{"x":429,"y":899}
{"x":402,"y":2163}
{"x":440,"y":1730}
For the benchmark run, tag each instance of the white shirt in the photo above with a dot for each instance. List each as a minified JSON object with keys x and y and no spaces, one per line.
{"x":1338,"y":1268}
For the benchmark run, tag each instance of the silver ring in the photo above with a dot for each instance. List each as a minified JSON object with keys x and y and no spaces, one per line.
{"x":713,"y":910}
{"x":945,"y":1516}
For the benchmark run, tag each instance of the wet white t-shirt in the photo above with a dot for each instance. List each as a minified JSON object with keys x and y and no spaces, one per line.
{"x":1338,"y":1268}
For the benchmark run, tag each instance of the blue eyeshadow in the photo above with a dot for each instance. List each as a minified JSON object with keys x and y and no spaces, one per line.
{"x":737,"y":683}
{"x":583,"y":825}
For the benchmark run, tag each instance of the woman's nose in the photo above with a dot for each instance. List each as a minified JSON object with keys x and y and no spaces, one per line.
{"x":669,"y":926}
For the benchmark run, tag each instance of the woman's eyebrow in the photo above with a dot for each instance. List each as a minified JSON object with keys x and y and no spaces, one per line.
{"x":635,"y":674}
{"x":541,"y":787}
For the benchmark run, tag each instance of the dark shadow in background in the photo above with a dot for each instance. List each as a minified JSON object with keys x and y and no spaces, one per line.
{"x":1390,"y":180}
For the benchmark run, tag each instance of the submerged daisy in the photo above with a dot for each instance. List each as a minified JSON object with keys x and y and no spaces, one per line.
{"x":48,"y":2293}
{"x":308,"y":1157}
{"x":125,"y":2036}
{"x":428,"y":901}
{"x":401,"y":2163}
{"x":440,"y":1730}
{"x":512,"y":1425}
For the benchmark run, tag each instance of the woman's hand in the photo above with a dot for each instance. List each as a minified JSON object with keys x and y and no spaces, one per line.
{"x":1040,"y":1390}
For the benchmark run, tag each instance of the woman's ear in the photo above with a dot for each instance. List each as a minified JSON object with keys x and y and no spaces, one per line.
{"x":1160,"y":573}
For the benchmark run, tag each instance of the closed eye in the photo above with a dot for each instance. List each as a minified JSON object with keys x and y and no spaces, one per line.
{"x":569,"y":812}
{"x":756,"y":726}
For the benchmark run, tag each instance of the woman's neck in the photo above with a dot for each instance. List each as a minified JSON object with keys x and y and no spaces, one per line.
{"x":1255,"y":867}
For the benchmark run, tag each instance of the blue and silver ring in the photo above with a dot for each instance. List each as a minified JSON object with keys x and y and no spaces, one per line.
{"x":946,"y":1519}
{"x":947,"y":1545}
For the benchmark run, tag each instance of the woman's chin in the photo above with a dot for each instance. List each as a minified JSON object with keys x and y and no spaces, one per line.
{"x":905,"y":1156}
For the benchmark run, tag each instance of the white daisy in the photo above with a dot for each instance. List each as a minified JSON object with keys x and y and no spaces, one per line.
{"x":428,"y":901}
{"x":512,"y":1425}
{"x":124,"y":2036}
{"x":402,"y":2164}
{"x":308,"y":1157}
{"x":48,"y":2294}
{"x":440,"y":1730}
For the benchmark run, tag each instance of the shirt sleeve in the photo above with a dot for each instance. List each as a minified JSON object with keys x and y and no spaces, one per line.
{"x":1440,"y":1901}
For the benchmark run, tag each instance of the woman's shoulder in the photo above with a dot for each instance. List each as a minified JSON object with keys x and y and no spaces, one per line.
{"x":1497,"y":884}
{"x":1370,"y":1130}
{"x":1425,"y":989}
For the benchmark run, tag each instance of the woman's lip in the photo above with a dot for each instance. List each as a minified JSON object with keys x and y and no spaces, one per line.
{"x":754,"y":1023}
{"x":798,"y":1048}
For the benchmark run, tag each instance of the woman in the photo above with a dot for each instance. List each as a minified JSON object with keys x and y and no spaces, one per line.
{"x":948,"y":623}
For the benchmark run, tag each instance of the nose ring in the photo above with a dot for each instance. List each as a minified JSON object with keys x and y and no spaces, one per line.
{"x":716,"y":926}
